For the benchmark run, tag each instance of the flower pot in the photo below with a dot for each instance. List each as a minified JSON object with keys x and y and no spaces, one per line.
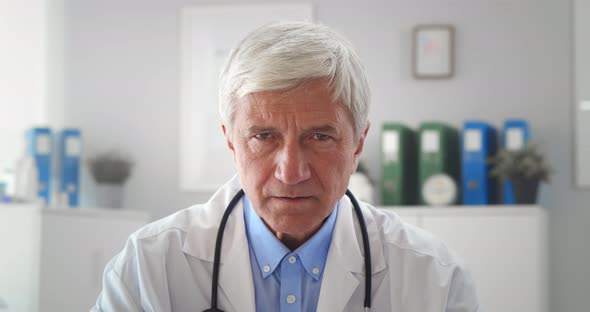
{"x":109,"y":195}
{"x":525,"y":191}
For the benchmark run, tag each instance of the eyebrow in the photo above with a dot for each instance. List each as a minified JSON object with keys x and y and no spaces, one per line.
{"x":325,"y":128}
{"x":257,"y":129}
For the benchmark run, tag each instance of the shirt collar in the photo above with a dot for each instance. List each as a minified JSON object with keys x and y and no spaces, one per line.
{"x":269,"y":250}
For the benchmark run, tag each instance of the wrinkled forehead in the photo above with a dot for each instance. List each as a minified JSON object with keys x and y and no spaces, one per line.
{"x":308,"y":106}
{"x":304,"y":96}
{"x":309,"y":99}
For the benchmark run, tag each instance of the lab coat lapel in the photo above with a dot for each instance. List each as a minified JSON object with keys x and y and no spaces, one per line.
{"x":345,"y":257}
{"x":235,"y":272}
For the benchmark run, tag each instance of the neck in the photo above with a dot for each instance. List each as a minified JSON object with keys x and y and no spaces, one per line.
{"x":294,"y":241}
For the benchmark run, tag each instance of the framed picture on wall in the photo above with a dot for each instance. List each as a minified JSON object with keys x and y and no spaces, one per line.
{"x":433,"y":51}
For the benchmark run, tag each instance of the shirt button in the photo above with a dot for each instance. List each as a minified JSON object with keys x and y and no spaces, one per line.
{"x":266,"y":268}
{"x":315,"y":271}
{"x":292,"y":259}
{"x":290,"y":299}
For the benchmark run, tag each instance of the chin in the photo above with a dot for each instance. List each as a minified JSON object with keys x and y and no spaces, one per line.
{"x":298,"y":225}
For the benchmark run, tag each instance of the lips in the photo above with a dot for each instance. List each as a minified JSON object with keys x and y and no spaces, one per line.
{"x":292,"y":198}
{"x":290,"y":194}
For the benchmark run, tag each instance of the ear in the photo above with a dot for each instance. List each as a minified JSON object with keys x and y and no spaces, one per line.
{"x":359,"y":148}
{"x":227,"y":135}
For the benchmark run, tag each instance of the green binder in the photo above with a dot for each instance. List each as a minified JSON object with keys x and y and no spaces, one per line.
{"x":439,"y":153}
{"x":398,"y":165}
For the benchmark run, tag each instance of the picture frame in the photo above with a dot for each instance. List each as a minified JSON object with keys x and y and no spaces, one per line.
{"x":433,"y":51}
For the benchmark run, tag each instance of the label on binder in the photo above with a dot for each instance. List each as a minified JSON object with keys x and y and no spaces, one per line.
{"x":514,"y":139}
{"x":390,"y":143}
{"x":73,"y":147}
{"x":430,"y":141}
{"x":43,"y":142}
{"x":473,"y":140}
{"x":440,"y":190}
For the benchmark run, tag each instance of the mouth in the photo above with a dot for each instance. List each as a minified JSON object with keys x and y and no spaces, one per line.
{"x":292,"y":199}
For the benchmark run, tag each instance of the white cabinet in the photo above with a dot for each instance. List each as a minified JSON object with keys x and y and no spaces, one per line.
{"x":77,"y":244}
{"x":505,"y":249}
{"x":52,"y":259}
{"x":19,"y":257}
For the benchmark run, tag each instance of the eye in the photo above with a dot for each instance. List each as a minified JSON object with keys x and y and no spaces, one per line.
{"x":263,"y":136}
{"x":320,"y":137}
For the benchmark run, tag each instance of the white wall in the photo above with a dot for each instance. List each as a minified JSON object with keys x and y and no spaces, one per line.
{"x":55,"y":64}
{"x":582,"y":91}
{"x":513,"y":60}
{"x":22,"y":74}
{"x":31,"y":74}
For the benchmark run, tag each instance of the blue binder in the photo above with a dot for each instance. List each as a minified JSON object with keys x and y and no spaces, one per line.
{"x":514,"y":137}
{"x":70,"y":149}
{"x":479,"y":142}
{"x":39,"y":145}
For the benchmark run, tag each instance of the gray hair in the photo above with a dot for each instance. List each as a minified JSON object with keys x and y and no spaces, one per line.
{"x":284,"y":55}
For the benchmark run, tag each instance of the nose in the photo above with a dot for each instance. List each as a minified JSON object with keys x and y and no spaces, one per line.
{"x":292,"y":164}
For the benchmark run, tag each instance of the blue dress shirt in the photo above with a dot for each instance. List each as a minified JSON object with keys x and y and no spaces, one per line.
{"x":285,"y":280}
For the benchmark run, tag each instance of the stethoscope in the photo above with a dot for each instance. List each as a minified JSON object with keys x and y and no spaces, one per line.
{"x":228,"y":210}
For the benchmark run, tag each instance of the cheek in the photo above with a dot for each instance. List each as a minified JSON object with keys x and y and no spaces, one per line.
{"x":253,"y":161}
{"x":338,"y":159}
{"x":246,"y":152}
{"x":334,"y":170}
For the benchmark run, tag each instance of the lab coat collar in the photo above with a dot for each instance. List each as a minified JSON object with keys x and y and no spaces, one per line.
{"x":346,"y":257}
{"x":206,"y":222}
{"x":235,"y":271}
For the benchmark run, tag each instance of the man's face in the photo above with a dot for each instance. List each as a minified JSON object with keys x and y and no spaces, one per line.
{"x":294,"y":151}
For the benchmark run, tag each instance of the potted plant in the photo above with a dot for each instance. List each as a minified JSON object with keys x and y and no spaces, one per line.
{"x":110,"y":171}
{"x":525,"y":168}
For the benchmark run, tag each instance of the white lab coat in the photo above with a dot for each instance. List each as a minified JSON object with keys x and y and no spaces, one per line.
{"x":167,"y":265}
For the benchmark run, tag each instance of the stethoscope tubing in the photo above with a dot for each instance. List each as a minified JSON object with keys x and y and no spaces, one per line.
{"x":219,"y":240}
{"x":366,"y":248}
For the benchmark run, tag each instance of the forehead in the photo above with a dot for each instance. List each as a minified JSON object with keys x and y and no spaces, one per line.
{"x":312,"y":100}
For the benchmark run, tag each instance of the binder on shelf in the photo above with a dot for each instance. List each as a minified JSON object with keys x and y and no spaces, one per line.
{"x":70,"y":149}
{"x":514,"y":137}
{"x":39,"y":146}
{"x":398,"y":165}
{"x":479,"y":143}
{"x":439,"y":154}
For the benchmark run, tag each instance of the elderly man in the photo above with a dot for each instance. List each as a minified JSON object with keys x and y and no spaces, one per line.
{"x":294,"y":103}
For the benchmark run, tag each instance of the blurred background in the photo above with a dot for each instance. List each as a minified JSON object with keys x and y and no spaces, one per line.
{"x":118,"y":73}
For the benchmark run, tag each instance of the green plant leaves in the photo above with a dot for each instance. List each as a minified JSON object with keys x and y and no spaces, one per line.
{"x":110,"y":168}
{"x":527,"y":163}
